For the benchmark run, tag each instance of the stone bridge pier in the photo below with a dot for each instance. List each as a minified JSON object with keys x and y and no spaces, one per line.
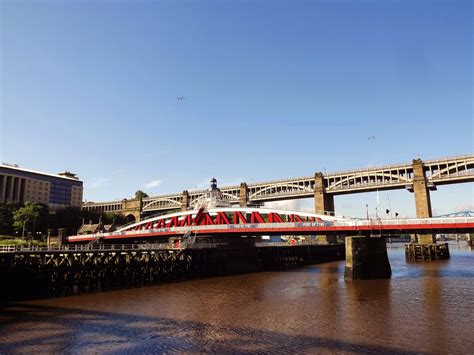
{"x":132,"y":209}
{"x":323,"y":204}
{"x":422,"y":199}
{"x":243,"y":195}
{"x":366,"y":258}
{"x":185,"y":201}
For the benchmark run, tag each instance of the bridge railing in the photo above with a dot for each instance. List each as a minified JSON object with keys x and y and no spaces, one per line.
{"x":355,"y":223}
{"x":95,"y":247}
{"x":408,"y":221}
{"x":286,"y":244}
{"x":109,"y":247}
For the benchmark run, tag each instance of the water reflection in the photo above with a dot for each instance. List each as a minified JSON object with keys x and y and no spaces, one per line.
{"x":425,"y":307}
{"x":433,"y":305}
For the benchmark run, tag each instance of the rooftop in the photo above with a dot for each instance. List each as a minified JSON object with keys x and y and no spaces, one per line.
{"x":63,"y":175}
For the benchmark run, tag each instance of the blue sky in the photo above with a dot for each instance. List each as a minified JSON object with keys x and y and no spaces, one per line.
{"x":273,"y":89}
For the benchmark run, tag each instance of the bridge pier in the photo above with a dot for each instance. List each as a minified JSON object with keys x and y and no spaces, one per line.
{"x":366,"y":258}
{"x":323,"y":204}
{"x":470,"y":240}
{"x":185,"y":201}
{"x":243,"y":195}
{"x":326,"y":239}
{"x":422,"y":199}
{"x":132,"y":207}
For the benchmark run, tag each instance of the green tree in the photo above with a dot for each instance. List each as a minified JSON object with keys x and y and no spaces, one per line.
{"x":72,"y":218}
{"x":69,"y":218}
{"x":140,"y":195}
{"x":27,"y":216}
{"x":6,"y":218}
{"x":110,"y":217}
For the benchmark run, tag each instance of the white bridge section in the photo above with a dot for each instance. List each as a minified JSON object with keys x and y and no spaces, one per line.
{"x":341,"y":224}
{"x":214,"y":211}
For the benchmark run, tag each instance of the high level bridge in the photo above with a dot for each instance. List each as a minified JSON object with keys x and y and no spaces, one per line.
{"x":419,"y":177}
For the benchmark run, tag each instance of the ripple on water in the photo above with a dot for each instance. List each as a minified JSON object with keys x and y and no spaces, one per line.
{"x":425,"y":307}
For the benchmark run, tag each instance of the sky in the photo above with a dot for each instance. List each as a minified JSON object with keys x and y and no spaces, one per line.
{"x":272,"y":89}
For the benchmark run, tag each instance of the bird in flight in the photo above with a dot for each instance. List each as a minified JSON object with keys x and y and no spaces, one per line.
{"x":180,"y":98}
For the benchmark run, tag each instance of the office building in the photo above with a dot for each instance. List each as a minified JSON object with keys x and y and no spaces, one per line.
{"x":58,"y":191}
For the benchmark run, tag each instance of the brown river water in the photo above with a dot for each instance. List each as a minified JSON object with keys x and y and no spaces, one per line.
{"x":425,"y":308}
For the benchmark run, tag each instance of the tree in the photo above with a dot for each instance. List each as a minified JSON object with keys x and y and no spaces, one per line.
{"x":139,"y":195}
{"x":113,"y":218}
{"x":69,"y":218}
{"x":6,"y":218}
{"x":26,"y":216}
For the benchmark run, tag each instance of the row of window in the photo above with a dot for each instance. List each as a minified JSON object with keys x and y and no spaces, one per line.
{"x":40,"y":177}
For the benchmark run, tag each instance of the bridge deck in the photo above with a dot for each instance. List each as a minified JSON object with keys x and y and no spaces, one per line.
{"x":442,"y":171}
{"x":343,"y":228}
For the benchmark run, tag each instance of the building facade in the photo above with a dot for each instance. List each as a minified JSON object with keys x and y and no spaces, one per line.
{"x":54,"y":190}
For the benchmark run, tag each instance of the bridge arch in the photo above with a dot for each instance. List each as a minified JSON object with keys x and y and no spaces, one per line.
{"x":293,"y":187}
{"x":452,"y":169}
{"x":130,"y":218}
{"x":394,"y":178}
{"x":154,"y":204}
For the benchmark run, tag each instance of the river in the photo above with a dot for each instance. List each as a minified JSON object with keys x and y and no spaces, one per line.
{"x":424,"y":308}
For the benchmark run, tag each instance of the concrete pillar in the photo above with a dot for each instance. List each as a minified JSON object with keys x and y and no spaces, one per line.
{"x":22,"y":190}
{"x":323,"y":202}
{"x":470,"y":240}
{"x":3,"y":189}
{"x":243,"y":195}
{"x":422,"y":198}
{"x":10,"y":188}
{"x":18,"y":190}
{"x":185,"y":201}
{"x":366,"y":258}
{"x":326,"y":239}
{"x":138,"y":216}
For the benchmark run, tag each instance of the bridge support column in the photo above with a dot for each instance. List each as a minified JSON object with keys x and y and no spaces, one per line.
{"x":185,"y":201}
{"x":366,"y":258}
{"x":132,"y":209}
{"x":422,"y":198}
{"x":470,"y":240}
{"x":323,"y":202}
{"x":243,"y":195}
{"x":326,"y":239}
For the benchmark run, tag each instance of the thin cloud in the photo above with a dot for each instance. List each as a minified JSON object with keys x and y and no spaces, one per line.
{"x":464,"y":207}
{"x":153,"y":184}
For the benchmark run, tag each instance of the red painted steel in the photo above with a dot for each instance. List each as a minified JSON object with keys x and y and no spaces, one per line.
{"x":222,"y":218}
{"x":342,"y":230}
{"x":252,"y":222}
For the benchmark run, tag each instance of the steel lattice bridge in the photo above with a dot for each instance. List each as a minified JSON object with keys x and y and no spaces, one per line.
{"x":323,"y":187}
{"x":245,"y":221}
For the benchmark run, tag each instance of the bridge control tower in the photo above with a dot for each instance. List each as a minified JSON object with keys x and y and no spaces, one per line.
{"x":212,"y":198}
